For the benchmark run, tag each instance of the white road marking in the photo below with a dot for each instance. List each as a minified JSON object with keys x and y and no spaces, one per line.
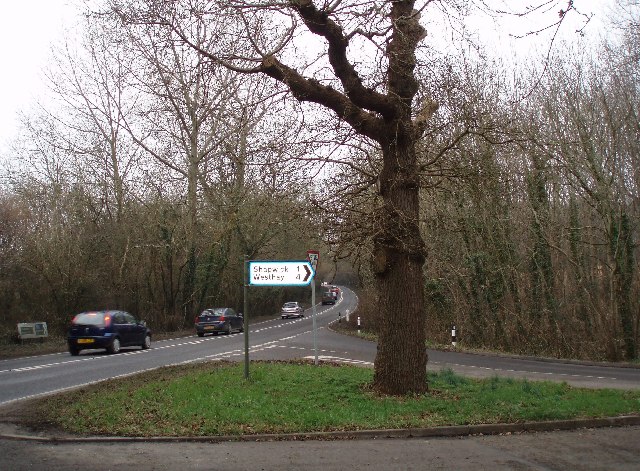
{"x":74,"y":360}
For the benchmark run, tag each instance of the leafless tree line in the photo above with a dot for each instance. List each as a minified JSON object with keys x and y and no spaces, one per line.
{"x":175,"y":150}
{"x":146,"y":182}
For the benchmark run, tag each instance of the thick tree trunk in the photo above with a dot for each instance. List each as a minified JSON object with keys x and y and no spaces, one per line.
{"x":401,"y":360}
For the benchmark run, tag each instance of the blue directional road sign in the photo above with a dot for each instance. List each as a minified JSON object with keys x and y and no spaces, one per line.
{"x":280,"y":273}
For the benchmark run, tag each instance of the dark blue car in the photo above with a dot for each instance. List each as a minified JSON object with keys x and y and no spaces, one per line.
{"x":107,"y":329}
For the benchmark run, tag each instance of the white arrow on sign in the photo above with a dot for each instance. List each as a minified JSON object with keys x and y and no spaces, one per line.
{"x":280,"y":273}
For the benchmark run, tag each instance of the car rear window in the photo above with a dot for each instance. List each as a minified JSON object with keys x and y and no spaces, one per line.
{"x":290,"y":305}
{"x":89,"y":318}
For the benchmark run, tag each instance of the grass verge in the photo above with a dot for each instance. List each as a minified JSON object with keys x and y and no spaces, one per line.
{"x":209,"y":399}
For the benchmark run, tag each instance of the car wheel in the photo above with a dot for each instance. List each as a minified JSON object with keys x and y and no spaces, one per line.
{"x":115,"y":346}
{"x":74,"y":351}
{"x":200,"y":334}
{"x":229,"y":328}
{"x":147,"y":342}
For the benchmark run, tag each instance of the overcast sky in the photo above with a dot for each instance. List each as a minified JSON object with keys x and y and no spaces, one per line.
{"x":29,"y":28}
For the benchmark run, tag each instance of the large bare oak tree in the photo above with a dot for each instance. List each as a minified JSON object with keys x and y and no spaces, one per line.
{"x":384,"y":114}
{"x":364,"y":72}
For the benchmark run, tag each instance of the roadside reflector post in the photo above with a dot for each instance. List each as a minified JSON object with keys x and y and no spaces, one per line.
{"x":347,"y":313}
{"x":454,"y":339}
{"x":358,"y":325}
{"x":339,"y":317}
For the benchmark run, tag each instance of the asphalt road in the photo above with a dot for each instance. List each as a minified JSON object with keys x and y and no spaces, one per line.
{"x":35,"y":376}
{"x":22,"y":378}
{"x":602,"y":448}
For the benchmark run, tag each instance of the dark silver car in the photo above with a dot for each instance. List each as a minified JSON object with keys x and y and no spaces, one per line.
{"x":292,"y":309}
{"x":219,"y":320}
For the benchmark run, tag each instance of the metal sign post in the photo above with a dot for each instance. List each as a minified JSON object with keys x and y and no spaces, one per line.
{"x":313,"y":256}
{"x":245,"y":321}
{"x":315,"y":330}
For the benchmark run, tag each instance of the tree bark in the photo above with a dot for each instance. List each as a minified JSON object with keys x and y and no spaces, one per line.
{"x":401,"y":360}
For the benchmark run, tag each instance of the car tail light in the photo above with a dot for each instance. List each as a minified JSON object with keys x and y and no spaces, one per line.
{"x":107,"y":321}
{"x":221,"y":318}
{"x":195,"y":321}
